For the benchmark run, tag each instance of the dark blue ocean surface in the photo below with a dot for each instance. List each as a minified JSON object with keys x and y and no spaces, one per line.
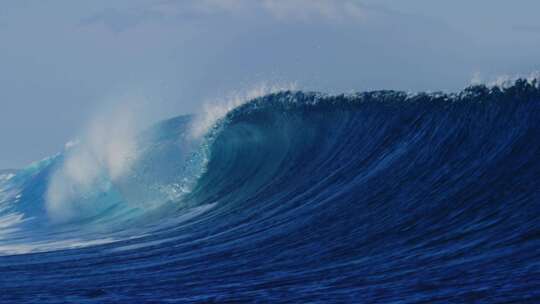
{"x":378,"y":197}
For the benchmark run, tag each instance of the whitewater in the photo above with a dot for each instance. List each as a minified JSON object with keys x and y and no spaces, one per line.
{"x":293,"y":197}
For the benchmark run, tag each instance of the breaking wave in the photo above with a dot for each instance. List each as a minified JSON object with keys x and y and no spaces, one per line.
{"x":297,"y":197}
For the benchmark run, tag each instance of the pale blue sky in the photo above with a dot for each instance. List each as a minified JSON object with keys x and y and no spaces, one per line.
{"x":59,"y":60}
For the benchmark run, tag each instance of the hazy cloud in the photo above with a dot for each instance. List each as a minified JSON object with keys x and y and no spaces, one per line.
{"x":307,"y":9}
{"x":295,"y":10}
{"x":118,"y":21}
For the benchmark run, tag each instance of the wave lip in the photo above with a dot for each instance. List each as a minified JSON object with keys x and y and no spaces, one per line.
{"x":304,"y":197}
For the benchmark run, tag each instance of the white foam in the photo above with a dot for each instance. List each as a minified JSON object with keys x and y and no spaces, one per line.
{"x":6,"y":177}
{"x":214,"y":110}
{"x":105,"y":151}
{"x":505,"y":81}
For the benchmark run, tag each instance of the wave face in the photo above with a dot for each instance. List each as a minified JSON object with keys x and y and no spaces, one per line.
{"x":379,"y":197}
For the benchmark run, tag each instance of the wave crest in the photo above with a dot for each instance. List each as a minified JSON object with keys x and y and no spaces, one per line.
{"x":277,"y":156}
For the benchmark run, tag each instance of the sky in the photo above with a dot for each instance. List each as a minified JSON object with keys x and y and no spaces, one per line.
{"x":61,"y":61}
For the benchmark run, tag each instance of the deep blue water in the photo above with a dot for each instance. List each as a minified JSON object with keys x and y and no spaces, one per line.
{"x":378,"y":197}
